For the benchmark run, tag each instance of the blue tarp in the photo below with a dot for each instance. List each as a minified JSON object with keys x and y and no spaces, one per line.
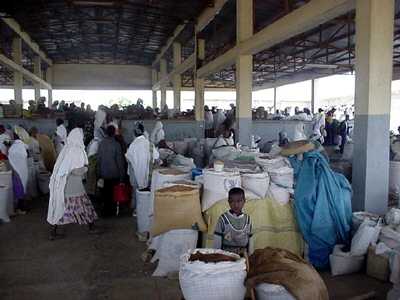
{"x":322,"y":201}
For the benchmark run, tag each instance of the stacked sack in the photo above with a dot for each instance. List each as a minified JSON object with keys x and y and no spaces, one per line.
{"x":217,"y":186}
{"x":177,"y":220}
{"x":282,"y":177}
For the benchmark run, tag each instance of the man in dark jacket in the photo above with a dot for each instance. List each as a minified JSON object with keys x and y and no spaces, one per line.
{"x":110,"y":169}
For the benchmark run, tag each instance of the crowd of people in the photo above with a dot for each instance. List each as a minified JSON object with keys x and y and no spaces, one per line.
{"x":83,"y":177}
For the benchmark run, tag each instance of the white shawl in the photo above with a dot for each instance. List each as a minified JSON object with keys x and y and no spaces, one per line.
{"x":72,"y":156}
{"x":157,"y":134}
{"x":99,"y":118}
{"x":18,"y":158}
{"x":139,"y":156}
{"x":61,"y":131}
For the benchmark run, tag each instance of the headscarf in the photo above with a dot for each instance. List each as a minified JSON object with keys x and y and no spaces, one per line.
{"x":139,"y":129}
{"x":157,"y":134}
{"x":93,"y":146}
{"x":61,"y":131}
{"x":18,"y":158}
{"x":22,"y":134}
{"x":141,"y":153}
{"x":99,"y":118}
{"x":72,"y":156}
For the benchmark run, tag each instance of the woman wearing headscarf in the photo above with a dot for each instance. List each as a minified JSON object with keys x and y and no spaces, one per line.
{"x":68,"y":202}
{"x":93,"y":147}
{"x":158,"y":134}
{"x":18,"y":158}
{"x":60,"y":136}
{"x":141,"y":156}
{"x":31,"y":190}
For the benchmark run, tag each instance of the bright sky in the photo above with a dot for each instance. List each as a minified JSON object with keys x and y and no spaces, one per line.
{"x":298,"y":94}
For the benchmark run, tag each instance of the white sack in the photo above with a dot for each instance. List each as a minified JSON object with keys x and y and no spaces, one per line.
{"x":257,"y":183}
{"x":267,"y":291}
{"x":390,"y":237}
{"x":212,"y":281}
{"x":278,"y":193}
{"x":171,"y":246}
{"x":143,"y":211}
{"x":365,"y":235}
{"x":393,"y":217}
{"x":344,"y":263}
{"x":283,"y":176}
{"x":394,"y":177}
{"x":272,"y":163}
{"x":217,"y":186}
{"x":4,"y":200}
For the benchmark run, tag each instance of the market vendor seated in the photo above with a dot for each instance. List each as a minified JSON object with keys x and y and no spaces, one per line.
{"x":233,"y":231}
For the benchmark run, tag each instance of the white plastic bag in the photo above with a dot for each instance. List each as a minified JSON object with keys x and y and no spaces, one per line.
{"x":257,"y":183}
{"x":217,"y":186}
{"x":267,"y":291}
{"x":278,"y":193}
{"x":344,"y":263}
{"x":170,"y":247}
{"x":212,"y":281}
{"x":365,"y":235}
{"x":143,"y":211}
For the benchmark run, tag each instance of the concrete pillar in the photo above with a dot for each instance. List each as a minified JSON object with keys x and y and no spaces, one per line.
{"x":244,"y":71}
{"x":38,"y":72}
{"x":199,"y":92}
{"x":274,"y":99}
{"x":18,"y":78}
{"x":163,"y":71}
{"x":312,"y":96}
{"x":177,"y":82}
{"x":154,"y":79}
{"x":374,"y":52}
{"x":49,"y":79}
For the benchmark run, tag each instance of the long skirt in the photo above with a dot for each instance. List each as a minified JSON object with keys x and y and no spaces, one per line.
{"x":78,"y":209}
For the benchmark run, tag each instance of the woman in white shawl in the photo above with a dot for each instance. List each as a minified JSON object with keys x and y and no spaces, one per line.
{"x":18,"y":158}
{"x":141,"y":156}
{"x":60,"y":136}
{"x":158,"y":134}
{"x":68,"y":201}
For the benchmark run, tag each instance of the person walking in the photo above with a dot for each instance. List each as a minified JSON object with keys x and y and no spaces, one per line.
{"x":110,"y":170}
{"x":68,"y":202}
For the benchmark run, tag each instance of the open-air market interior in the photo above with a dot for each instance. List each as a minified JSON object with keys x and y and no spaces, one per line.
{"x":200,"y":149}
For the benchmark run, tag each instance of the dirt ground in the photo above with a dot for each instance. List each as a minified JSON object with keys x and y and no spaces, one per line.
{"x":108,"y":266}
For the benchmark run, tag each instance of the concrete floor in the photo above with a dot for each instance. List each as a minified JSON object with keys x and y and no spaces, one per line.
{"x":108,"y":266}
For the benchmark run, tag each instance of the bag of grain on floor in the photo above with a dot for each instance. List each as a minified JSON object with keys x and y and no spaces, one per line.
{"x":212,"y":274}
{"x":143,"y":211}
{"x":162,"y":177}
{"x":177,"y":207}
{"x":169,"y":247}
{"x":217,"y":186}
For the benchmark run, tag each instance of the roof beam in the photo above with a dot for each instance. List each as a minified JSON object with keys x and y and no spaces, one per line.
{"x":28,"y":74}
{"x":209,"y":14}
{"x":170,"y":41}
{"x":307,"y":17}
{"x":180,"y":69}
{"x":202,"y":21}
{"x":27,"y":39}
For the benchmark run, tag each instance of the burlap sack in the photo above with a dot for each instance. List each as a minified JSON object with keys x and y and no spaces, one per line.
{"x":177,"y":207}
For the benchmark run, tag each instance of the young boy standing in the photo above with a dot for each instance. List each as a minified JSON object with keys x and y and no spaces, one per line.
{"x":234,"y":229}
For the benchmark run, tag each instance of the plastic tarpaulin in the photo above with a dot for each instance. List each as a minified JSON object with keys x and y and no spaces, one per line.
{"x":322,"y":202}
